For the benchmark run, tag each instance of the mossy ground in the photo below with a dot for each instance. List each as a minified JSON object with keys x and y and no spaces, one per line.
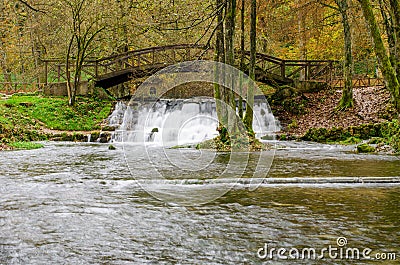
{"x":379,"y":133}
{"x":23,"y":117}
{"x":25,"y":145}
{"x":242,"y":145}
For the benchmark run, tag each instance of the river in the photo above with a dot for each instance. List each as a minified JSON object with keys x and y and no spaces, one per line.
{"x":80,"y":203}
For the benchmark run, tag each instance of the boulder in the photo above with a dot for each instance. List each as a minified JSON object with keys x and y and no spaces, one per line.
{"x":104,"y":137}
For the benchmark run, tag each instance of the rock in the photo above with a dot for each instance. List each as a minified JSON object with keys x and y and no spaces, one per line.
{"x":351,"y":140}
{"x":78,"y":137}
{"x":111,"y":147}
{"x":154,"y":130}
{"x":284,"y":92}
{"x":104,"y":137}
{"x":26,"y":104}
{"x":384,"y":148}
{"x":94,"y":136}
{"x":108,"y":128}
{"x":272,"y":137}
{"x":365,"y":148}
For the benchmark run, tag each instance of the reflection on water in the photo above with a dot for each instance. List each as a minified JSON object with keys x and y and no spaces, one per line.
{"x":78,"y":204}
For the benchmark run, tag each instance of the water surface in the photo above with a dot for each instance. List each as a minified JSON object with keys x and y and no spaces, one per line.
{"x":74,"y":203}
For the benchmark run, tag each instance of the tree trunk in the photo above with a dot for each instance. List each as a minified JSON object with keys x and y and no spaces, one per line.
{"x":71,"y":100}
{"x":248,"y":119}
{"x":219,"y":57}
{"x":242,"y":57}
{"x":301,"y":27}
{"x":230,"y":60}
{"x":390,"y":33}
{"x":388,"y":72}
{"x":395,"y":11}
{"x":347,"y":96}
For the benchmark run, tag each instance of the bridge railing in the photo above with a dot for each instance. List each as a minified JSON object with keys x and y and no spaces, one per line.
{"x":16,"y":87}
{"x":328,"y":71}
{"x":165,"y":55}
{"x":307,"y":70}
{"x":55,"y":70}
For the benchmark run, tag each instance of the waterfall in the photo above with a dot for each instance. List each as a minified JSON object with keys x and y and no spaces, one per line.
{"x":178,"y":121}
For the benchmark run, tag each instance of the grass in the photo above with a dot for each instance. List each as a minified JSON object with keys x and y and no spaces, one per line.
{"x":25,"y":145}
{"x":23,"y":116}
{"x":54,"y":112}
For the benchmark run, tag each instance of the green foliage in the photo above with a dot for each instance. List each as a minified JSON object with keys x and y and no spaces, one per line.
{"x":283,"y":137}
{"x":266,"y":89}
{"x":351,"y":140}
{"x":244,"y":143}
{"x":294,"y":106}
{"x":25,"y":145}
{"x":365,"y":148}
{"x":324,"y":135}
{"x":293,"y":125}
{"x":376,"y":140}
{"x":391,"y":133}
{"x":387,"y":132}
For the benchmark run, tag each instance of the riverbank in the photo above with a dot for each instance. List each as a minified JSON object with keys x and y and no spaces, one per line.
{"x":313,"y":117}
{"x":33,"y":117}
{"x":309,"y":116}
{"x":318,"y":110}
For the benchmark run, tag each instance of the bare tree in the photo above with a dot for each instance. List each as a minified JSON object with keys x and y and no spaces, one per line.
{"x":84,"y":30}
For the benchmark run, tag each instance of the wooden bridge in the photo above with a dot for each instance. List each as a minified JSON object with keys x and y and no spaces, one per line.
{"x":117,"y":69}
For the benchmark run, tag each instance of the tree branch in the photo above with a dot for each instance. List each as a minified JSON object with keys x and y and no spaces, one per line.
{"x":31,"y":7}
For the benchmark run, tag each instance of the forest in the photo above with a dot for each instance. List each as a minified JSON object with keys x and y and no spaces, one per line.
{"x":199,"y":132}
{"x":362,"y":37}
{"x":312,"y":30}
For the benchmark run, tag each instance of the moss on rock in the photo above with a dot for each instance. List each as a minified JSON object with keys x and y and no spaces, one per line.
{"x":386,"y":132}
{"x":365,"y":148}
{"x":242,"y":144}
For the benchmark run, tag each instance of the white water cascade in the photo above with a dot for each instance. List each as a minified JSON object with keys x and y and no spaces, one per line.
{"x":178,"y":121}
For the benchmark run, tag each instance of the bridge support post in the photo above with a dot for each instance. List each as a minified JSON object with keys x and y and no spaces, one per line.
{"x":96,"y":68}
{"x":307,"y":72}
{"x":283,"y":69}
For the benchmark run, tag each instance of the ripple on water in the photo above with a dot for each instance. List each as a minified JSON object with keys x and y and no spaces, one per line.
{"x":78,"y":203}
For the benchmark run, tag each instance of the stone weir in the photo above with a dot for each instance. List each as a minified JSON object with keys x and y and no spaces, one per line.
{"x":178,"y":121}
